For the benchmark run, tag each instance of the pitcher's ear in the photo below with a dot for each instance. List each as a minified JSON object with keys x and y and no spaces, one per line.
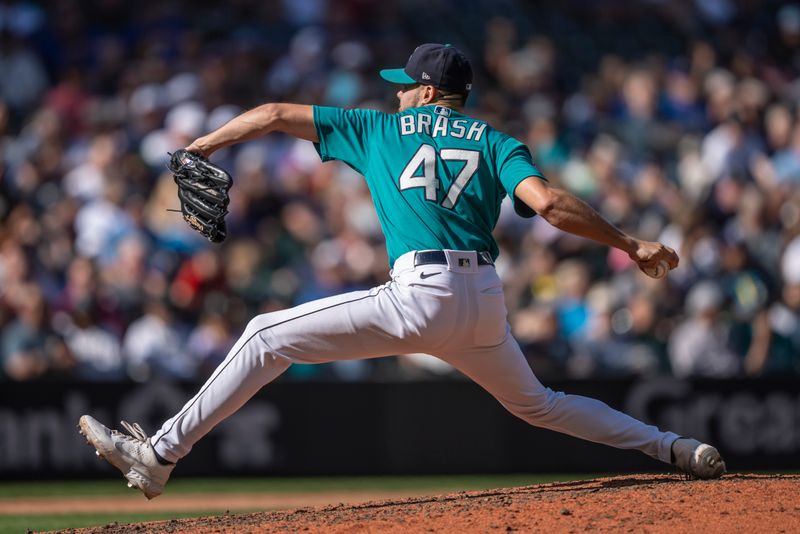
{"x":429,"y":94}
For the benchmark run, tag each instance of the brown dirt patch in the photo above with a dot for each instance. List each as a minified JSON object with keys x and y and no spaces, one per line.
{"x":637,"y":503}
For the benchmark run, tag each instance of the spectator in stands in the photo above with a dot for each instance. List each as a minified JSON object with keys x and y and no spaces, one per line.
{"x":22,"y":76}
{"x":547,"y":350}
{"x":153,"y":345}
{"x":95,"y":347}
{"x":209,"y":342}
{"x":30,"y":349}
{"x":699,"y":345}
{"x":783,"y":319}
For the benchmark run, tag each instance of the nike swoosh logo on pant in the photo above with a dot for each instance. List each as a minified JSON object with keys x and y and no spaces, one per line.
{"x":424,"y":276}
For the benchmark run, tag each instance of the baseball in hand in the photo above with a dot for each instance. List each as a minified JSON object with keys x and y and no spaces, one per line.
{"x":658,"y":271}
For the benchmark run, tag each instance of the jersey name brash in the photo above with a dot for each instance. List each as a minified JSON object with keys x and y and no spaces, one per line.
{"x":444,"y":126}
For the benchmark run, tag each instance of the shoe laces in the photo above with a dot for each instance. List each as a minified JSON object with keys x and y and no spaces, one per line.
{"x":136,"y":432}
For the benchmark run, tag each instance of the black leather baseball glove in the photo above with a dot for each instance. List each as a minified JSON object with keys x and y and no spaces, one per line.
{"x":203,"y":192}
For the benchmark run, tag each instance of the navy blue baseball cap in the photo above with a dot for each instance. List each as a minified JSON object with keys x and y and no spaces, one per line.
{"x":441,"y":65}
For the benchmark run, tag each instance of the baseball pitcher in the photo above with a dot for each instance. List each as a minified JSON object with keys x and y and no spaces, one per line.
{"x":437,"y":177}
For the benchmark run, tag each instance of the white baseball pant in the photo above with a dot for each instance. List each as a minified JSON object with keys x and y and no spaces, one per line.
{"x":455,"y":312}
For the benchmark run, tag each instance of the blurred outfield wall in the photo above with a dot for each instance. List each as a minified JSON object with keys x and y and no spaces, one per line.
{"x":396,"y":428}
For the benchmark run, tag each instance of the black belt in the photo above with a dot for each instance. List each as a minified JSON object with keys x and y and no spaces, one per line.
{"x":429,"y":257}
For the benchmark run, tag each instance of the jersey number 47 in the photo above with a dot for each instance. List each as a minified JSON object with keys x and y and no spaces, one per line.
{"x":425,"y":157}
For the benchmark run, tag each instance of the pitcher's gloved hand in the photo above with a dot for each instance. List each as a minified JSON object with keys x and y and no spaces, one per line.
{"x":203,"y":192}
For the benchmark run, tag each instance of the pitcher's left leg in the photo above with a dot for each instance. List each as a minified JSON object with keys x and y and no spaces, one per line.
{"x":504,"y":372}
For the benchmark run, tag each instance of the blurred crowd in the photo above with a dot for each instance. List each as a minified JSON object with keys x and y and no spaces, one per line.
{"x":676,"y":120}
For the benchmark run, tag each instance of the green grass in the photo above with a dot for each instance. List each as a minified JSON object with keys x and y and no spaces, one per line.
{"x":21,"y":523}
{"x":286,"y":485}
{"x":423,"y":484}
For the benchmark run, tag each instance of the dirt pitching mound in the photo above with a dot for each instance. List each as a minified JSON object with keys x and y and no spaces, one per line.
{"x":636,"y":503}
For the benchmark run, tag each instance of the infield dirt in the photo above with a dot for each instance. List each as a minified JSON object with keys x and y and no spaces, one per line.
{"x":635,"y":503}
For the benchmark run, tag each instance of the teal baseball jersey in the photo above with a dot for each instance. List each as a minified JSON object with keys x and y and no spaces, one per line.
{"x":437,"y":177}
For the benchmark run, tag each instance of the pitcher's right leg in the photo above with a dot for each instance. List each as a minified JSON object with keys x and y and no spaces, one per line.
{"x":504,"y":372}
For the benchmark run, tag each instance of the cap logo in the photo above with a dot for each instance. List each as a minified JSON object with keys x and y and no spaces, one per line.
{"x":426,"y":76}
{"x":469,"y":87}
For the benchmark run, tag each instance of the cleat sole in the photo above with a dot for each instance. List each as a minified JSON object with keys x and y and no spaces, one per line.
{"x":150,"y":487}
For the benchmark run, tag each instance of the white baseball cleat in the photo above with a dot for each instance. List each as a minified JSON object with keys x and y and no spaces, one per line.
{"x":132,"y":454}
{"x":697,"y":460}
